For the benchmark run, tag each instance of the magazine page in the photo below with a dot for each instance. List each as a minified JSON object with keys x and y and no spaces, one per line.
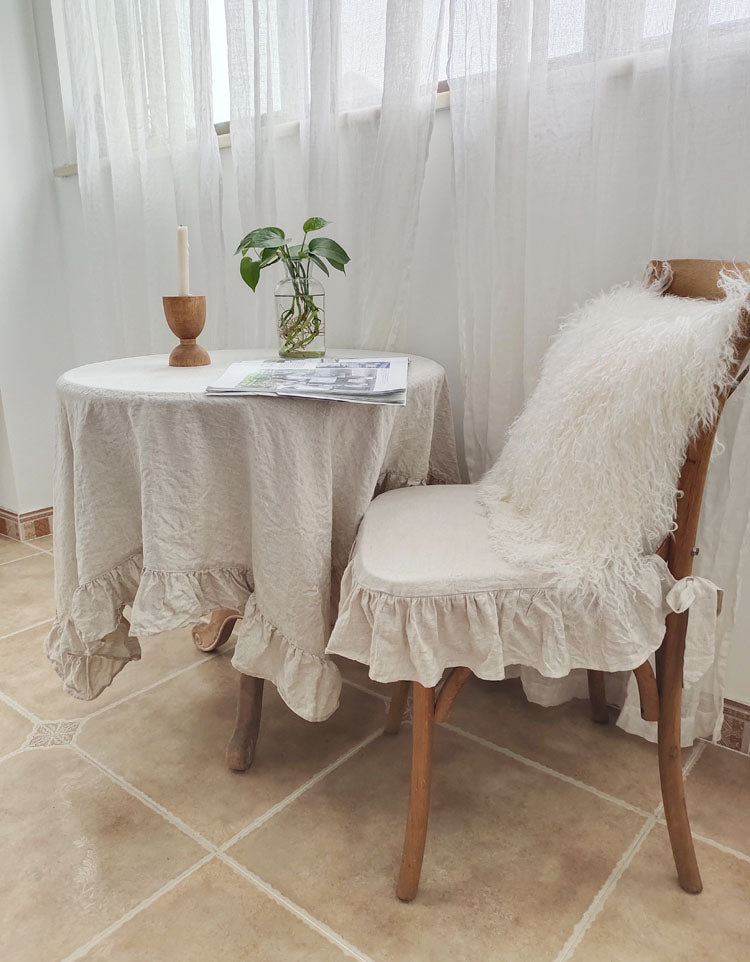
{"x":369,"y":380}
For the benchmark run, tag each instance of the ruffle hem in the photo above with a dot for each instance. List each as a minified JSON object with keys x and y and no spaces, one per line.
{"x":417,"y":638}
{"x":89,"y":645}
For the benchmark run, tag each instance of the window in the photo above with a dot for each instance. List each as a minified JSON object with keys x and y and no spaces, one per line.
{"x":362,"y":39}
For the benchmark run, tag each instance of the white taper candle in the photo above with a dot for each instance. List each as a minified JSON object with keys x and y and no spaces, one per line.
{"x":183,"y":256}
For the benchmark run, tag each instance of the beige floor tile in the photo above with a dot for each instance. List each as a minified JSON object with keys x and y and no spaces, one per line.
{"x":10,"y":550}
{"x":170,"y":742}
{"x":648,"y":917}
{"x":514,"y":856}
{"x":13,"y":729}
{"x":215,"y":914}
{"x":564,"y":738}
{"x":718,"y":797}
{"x":27,"y":676}
{"x":26,"y":592}
{"x":354,"y":671}
{"x":83,"y":852}
{"x":44,"y":542}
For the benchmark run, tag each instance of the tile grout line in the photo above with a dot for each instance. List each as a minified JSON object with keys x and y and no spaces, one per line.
{"x":141,"y":691}
{"x":599,"y":900}
{"x":38,"y":722}
{"x":25,"y":557}
{"x":213,"y":850}
{"x":714,"y":844}
{"x":597,"y":903}
{"x":83,"y":950}
{"x":12,"y":703}
{"x":298,"y":792}
{"x":693,"y":760}
{"x":12,"y":561}
{"x":18,"y":631}
{"x":525,"y":760}
{"x":37,"y":548}
{"x":170,"y":817}
{"x":292,"y":907}
{"x":365,"y":689}
{"x":16,"y":751}
{"x":538,"y":766}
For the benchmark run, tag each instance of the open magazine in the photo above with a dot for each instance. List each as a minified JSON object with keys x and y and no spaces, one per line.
{"x":365,"y":380}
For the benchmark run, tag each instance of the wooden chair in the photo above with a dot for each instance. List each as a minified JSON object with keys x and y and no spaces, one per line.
{"x":661,"y":694}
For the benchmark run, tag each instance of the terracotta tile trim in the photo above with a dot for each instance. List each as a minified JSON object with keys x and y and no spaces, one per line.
{"x":26,"y":526}
{"x":735,"y":730}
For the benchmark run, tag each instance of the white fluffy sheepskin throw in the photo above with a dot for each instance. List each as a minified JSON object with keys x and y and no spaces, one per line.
{"x":592,"y":464}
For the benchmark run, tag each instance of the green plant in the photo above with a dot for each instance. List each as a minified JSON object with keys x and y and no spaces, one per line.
{"x":301,"y":322}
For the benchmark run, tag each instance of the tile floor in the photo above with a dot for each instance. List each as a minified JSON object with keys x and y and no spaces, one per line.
{"x":123,"y":837}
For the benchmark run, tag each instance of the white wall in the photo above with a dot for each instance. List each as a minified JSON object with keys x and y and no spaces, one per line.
{"x":8,"y":489}
{"x":34,"y":319}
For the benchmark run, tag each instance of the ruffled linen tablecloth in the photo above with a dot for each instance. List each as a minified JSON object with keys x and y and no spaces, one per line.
{"x":177,"y":503}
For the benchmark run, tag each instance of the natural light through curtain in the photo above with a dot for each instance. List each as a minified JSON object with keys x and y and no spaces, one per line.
{"x":362,"y":37}
{"x":331,"y":110}
{"x":331,"y":105}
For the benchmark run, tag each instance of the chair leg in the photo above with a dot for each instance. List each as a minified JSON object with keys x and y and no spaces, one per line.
{"x":241,"y":748}
{"x":449,"y":693}
{"x":597,"y":697}
{"x":669,"y":667}
{"x":213,"y":634}
{"x":396,"y":708}
{"x":419,"y":794}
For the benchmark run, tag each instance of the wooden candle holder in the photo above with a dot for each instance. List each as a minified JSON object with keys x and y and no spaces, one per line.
{"x":186,"y":316}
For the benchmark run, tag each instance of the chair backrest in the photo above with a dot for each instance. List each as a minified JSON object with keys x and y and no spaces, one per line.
{"x":699,"y":278}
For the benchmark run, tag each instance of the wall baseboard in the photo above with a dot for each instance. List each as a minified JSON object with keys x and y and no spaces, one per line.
{"x":735,"y":731}
{"x":26,"y":527}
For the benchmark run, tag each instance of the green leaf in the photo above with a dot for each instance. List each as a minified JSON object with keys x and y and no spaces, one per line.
{"x":250,"y":271}
{"x":337,"y":264}
{"x":269,"y":255}
{"x":325,"y":247}
{"x":262,"y":237}
{"x":295,"y":250}
{"x":314,"y":223}
{"x":321,"y":264}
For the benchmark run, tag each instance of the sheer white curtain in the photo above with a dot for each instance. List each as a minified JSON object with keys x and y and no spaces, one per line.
{"x":148,"y":160}
{"x":332,"y":106}
{"x":589,"y":137}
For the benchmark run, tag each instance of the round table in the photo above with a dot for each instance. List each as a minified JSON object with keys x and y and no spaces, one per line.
{"x":187,"y":507}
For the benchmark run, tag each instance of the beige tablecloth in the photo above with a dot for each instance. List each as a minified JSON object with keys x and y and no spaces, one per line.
{"x":177,"y":503}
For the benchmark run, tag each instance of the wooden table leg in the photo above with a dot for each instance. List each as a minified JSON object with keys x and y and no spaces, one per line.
{"x":241,"y":748}
{"x":598,"y":697}
{"x":213,"y":634}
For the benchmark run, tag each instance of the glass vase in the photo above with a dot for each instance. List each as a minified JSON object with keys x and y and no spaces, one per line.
{"x":300,"y":314}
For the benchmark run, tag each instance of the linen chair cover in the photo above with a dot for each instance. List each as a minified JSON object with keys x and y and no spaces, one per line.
{"x":550,"y":561}
{"x":425,"y":591}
